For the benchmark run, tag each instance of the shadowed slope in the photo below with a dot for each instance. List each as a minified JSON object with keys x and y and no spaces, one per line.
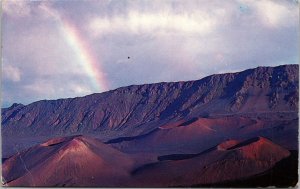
{"x":283,"y":174}
{"x":218,"y":164}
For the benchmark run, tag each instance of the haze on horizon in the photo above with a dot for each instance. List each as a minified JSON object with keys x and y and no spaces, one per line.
{"x":59,"y":49}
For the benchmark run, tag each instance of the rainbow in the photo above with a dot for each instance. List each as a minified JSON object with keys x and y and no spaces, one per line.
{"x":81,"y":49}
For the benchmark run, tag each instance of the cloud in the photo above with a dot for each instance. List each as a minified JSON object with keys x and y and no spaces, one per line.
{"x":16,"y":8}
{"x":11,"y":73}
{"x":80,"y":89}
{"x":42,"y":87}
{"x":138,"y":22}
{"x":49,"y":89}
{"x":277,"y":13}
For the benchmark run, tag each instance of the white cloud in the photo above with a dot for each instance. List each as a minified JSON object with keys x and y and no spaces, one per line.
{"x":275,"y":13}
{"x":46,"y":10}
{"x":80,"y":89}
{"x":42,"y":87}
{"x":49,"y":89}
{"x":136,"y":22}
{"x":11,"y":73}
{"x":16,"y":8}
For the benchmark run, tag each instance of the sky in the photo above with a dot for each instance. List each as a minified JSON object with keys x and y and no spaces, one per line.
{"x":61,"y":49}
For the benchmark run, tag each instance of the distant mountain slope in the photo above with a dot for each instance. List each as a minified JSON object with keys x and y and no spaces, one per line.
{"x":139,"y":109}
{"x":206,"y":132}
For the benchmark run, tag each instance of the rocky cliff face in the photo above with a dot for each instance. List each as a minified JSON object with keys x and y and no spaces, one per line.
{"x":259,"y":90}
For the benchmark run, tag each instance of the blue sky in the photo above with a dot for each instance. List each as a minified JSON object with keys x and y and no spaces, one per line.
{"x":166,"y":40}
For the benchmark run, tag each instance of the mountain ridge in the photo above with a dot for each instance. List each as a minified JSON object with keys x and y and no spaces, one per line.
{"x":162,"y":82}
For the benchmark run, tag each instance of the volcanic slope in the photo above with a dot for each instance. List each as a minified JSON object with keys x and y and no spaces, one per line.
{"x":84,"y":161}
{"x":69,"y":161}
{"x":201,"y":133}
{"x":229,"y":161}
